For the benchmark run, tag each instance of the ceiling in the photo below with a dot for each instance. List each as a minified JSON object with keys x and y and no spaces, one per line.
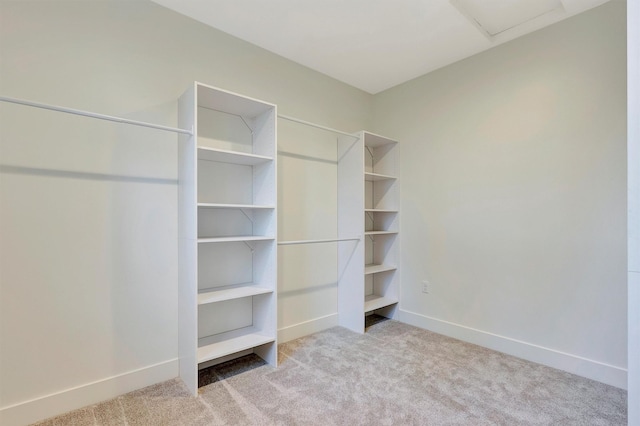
{"x":377,"y":44}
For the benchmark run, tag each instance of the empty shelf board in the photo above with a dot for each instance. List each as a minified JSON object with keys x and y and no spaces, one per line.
{"x":377,"y":177}
{"x":231,"y":342}
{"x":232,"y":157}
{"x":373,"y":302}
{"x":374,"y":269}
{"x":234,"y":206}
{"x":231,"y":292}
{"x":234,"y":239}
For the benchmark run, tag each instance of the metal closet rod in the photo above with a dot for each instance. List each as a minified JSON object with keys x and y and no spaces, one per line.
{"x":94,"y":115}
{"x":331,"y":240}
{"x":318,"y":126}
{"x":145,"y":124}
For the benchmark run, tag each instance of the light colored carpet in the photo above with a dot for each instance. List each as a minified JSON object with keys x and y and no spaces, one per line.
{"x":394,"y":374}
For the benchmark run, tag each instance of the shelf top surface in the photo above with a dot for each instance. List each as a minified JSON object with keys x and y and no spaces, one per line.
{"x":375,"y":268}
{"x":380,"y":211}
{"x":325,"y":240}
{"x":232,"y":342}
{"x":234,"y":206}
{"x":233,"y":157}
{"x":373,"y":302}
{"x":372,"y":140}
{"x":380,"y":232}
{"x":240,"y":238}
{"x":377,"y":176}
{"x":231,"y":292}
{"x":229,"y":102}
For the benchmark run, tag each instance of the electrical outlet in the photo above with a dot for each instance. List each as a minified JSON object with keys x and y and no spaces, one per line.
{"x":425,"y":286}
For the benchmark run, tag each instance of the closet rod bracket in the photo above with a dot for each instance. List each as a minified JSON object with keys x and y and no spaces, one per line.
{"x":244,"y":212}
{"x":252,"y":248}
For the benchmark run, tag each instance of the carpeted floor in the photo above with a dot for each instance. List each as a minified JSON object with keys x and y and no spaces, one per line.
{"x":394,"y":374}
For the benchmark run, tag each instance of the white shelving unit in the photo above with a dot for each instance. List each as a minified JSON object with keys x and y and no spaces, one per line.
{"x":380,"y":225}
{"x":228,"y":228}
{"x":368,"y":202}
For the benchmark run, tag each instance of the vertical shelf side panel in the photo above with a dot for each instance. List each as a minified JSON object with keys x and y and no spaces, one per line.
{"x":394,"y":289}
{"x":187,"y":243}
{"x":228,"y":121}
{"x":350,"y":224}
{"x":264,"y":133}
{"x":264,"y":319}
{"x":265,"y":307}
{"x":264,"y":175}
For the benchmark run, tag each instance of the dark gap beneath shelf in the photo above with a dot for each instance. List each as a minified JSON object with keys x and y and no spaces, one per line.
{"x":373,"y":319}
{"x":228,"y":369}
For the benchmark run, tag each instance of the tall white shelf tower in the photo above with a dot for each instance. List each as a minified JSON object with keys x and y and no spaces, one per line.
{"x":368,"y":203}
{"x":227,"y":232}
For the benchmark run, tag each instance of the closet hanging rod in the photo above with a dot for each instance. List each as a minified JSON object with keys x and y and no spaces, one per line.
{"x":318,"y":126}
{"x":331,"y":240}
{"x":94,"y":115}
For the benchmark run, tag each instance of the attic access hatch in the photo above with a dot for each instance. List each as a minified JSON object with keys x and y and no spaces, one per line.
{"x":493,"y":17}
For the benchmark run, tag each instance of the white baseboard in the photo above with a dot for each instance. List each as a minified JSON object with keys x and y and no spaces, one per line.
{"x":595,"y":370}
{"x":307,"y":327}
{"x":633,"y":392}
{"x":37,"y":409}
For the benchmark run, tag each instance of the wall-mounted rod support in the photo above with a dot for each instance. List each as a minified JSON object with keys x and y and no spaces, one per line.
{"x":331,"y":240}
{"x":244,"y":212}
{"x":229,"y":113}
{"x":369,"y":149}
{"x":244,"y":121}
{"x":94,"y":115}
{"x":246,"y":124}
{"x":318,"y":126}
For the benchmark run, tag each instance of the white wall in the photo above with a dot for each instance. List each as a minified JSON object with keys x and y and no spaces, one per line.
{"x":88,"y":302}
{"x":307,"y":203}
{"x":633,"y":218}
{"x":513,"y":195}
